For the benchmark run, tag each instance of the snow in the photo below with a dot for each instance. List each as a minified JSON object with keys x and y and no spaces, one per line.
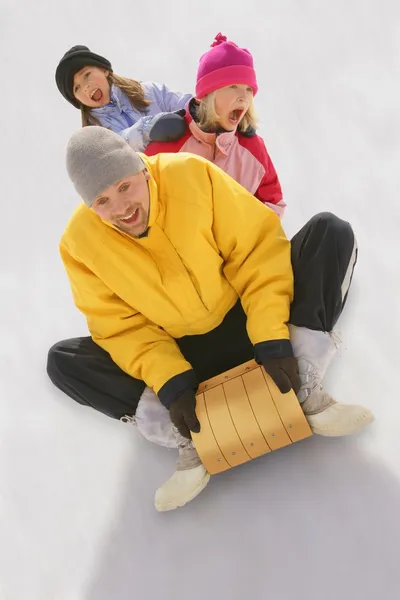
{"x":320,"y":519}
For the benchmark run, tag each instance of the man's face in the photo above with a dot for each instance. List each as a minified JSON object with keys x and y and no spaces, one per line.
{"x":126,"y":204}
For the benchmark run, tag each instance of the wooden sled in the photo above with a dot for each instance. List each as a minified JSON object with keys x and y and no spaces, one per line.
{"x":243,"y":415}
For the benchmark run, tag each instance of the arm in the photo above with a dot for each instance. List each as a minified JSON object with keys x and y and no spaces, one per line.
{"x":159,"y":130}
{"x":138,"y":135}
{"x":138,"y":346}
{"x":270,"y":194}
{"x":269,"y":191}
{"x":257,"y":263}
{"x":167,"y":100}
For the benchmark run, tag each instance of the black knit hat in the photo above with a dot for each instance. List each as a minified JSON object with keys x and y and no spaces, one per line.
{"x":73,"y":61}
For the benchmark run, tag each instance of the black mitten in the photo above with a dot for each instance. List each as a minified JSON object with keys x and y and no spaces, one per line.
{"x":183,"y":414}
{"x":284,"y":372}
{"x":168,"y":127}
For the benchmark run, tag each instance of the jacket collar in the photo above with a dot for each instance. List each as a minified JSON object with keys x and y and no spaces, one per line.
{"x":117,"y":98}
{"x":223,"y":141}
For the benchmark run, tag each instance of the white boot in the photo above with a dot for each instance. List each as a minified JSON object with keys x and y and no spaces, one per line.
{"x":189,"y":479}
{"x":330,"y":418}
{"x":314,"y":351}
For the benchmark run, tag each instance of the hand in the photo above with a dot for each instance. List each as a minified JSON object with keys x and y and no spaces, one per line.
{"x":183,"y":414}
{"x":168,"y":127}
{"x":284,"y":372}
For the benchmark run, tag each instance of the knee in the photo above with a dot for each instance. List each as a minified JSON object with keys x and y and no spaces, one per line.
{"x":326,"y":223}
{"x":55,"y":361}
{"x":51,"y":361}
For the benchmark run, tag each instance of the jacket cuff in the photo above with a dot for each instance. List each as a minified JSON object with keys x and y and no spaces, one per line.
{"x":273,"y":349}
{"x":175,"y":387}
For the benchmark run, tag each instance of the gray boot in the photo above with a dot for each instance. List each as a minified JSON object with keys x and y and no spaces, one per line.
{"x":314,"y":351}
{"x":188,"y":457}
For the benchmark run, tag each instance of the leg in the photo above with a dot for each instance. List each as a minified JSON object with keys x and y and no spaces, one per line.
{"x":324,"y":254}
{"x":154,"y":423}
{"x":87,"y":374}
{"x":226,"y":346}
{"x":190,"y":476}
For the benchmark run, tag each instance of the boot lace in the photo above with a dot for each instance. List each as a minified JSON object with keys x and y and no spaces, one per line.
{"x":309,"y":377}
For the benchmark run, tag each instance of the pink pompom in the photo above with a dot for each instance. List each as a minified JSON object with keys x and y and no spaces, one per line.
{"x":219,"y":38}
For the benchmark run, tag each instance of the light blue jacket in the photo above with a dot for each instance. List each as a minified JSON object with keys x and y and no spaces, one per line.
{"x":133,"y":125}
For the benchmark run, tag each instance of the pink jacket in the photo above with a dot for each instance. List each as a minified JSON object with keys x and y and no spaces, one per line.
{"x":244,"y":158}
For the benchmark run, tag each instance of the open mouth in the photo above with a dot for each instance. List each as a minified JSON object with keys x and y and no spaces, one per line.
{"x":235,"y":116}
{"x":96,"y":95}
{"x":131,"y":218}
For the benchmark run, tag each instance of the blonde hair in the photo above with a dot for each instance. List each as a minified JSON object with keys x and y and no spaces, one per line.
{"x":208,"y":119}
{"x":132,"y":88}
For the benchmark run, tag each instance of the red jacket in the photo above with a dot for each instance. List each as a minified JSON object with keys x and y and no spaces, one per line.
{"x":244,"y":158}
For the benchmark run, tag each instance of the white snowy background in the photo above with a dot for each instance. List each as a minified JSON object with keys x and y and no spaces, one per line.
{"x":320,"y":519}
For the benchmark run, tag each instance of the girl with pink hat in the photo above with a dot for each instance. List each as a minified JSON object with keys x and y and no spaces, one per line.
{"x":220,"y":123}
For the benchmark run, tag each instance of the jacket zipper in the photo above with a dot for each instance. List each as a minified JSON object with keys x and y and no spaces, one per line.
{"x":127,"y":118}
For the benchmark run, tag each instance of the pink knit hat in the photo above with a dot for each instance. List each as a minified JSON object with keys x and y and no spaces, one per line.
{"x":223,"y":65}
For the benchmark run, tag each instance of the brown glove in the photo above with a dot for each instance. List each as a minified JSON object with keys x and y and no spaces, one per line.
{"x":284,"y":372}
{"x":183,"y":414}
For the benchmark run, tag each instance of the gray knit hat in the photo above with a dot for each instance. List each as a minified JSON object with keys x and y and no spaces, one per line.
{"x":97,"y":158}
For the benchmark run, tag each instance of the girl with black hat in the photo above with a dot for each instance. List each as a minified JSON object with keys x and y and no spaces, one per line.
{"x":126,"y":106}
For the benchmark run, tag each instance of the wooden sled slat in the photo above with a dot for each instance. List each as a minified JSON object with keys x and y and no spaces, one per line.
{"x":223,"y":427}
{"x":231,"y":374}
{"x":265,"y":410}
{"x":290,"y":411}
{"x":243,"y":415}
{"x":243,"y":418}
{"x":206,"y":444}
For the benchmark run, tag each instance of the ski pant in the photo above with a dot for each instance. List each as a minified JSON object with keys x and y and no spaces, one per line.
{"x":323,"y":254}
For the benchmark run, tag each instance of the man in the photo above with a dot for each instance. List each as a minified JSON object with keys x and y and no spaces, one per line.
{"x":183,"y":274}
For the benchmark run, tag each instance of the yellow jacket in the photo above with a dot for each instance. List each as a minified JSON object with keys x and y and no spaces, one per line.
{"x":209,"y":242}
